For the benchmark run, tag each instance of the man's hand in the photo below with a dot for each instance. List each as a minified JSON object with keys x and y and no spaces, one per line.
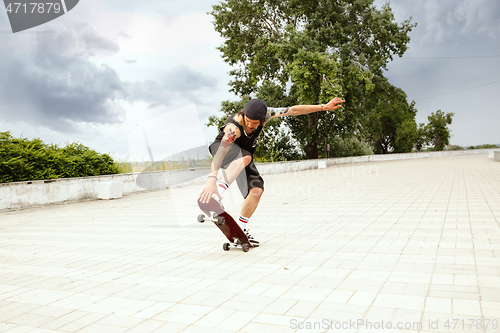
{"x":209,"y":190}
{"x":334,"y":104}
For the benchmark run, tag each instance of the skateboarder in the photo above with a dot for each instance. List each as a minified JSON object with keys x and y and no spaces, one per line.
{"x":233,"y":151}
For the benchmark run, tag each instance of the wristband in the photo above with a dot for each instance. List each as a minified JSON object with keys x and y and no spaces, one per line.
{"x":212,"y":177}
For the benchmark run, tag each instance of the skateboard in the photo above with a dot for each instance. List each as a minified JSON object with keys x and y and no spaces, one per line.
{"x":229,"y":227}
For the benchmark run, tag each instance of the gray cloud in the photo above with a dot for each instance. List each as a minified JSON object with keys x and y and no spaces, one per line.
{"x":479,"y":17}
{"x":454,"y":30}
{"x":182,"y":78}
{"x":448,"y":29}
{"x":161,"y":7}
{"x":59,"y":85}
{"x":56,"y":101}
{"x":63,"y":82}
{"x":71,"y":45}
{"x":179,"y":83}
{"x":448,"y":22}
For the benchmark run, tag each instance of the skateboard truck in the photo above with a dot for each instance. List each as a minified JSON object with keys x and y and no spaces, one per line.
{"x":236,"y":244}
{"x":234,"y":234}
{"x":214,"y":217}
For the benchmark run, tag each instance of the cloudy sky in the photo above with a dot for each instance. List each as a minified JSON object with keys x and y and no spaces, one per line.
{"x":105,"y":70}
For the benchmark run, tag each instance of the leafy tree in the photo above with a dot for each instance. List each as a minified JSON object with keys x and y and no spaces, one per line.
{"x":390,"y":119}
{"x":313,"y":50}
{"x":22,"y":159}
{"x":437,"y":129}
{"x":406,"y":136}
{"x":422,"y":137}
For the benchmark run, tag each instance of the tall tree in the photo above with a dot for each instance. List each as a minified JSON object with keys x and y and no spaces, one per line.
{"x":314,"y":50}
{"x":422,"y":137}
{"x":390,"y":118}
{"x":437,"y":129}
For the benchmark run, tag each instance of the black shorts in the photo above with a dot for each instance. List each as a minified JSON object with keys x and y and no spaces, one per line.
{"x":249,"y":177}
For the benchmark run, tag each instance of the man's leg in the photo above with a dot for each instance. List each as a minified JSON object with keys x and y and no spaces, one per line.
{"x":252,"y":187}
{"x":249,"y":205}
{"x":235,"y":168}
{"x":251,"y":202}
{"x":232,"y":167}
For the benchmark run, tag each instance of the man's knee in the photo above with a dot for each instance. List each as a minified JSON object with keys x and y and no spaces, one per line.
{"x":256,"y":192}
{"x":247,"y":159}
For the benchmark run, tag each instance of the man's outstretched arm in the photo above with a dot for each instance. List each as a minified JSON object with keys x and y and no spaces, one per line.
{"x":298,"y":110}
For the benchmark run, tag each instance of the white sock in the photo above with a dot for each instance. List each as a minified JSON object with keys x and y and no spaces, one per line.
{"x":243,"y":222}
{"x":222,"y":187}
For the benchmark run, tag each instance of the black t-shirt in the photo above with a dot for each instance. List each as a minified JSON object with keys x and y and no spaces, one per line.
{"x":247,"y":142}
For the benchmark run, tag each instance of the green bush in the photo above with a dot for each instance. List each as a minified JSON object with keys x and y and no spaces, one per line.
{"x":348,"y":147}
{"x":272,"y":156}
{"x":22,"y":159}
{"x":487,"y":146}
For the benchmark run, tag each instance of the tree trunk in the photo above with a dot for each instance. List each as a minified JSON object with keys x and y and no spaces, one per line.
{"x":312,"y":146}
{"x":385,"y":146}
{"x":312,"y":151}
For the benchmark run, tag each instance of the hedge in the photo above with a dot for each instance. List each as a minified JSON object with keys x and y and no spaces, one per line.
{"x":22,"y":159}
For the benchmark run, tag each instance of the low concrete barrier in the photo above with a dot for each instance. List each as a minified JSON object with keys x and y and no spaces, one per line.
{"x":110,"y":190}
{"x":41,"y":192}
{"x":291,"y":166}
{"x":496,"y":156}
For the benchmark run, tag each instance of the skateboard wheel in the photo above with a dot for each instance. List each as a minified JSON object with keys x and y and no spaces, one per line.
{"x":201,"y":218}
{"x":245,"y":247}
{"x":225,"y":246}
{"x":221,"y":220}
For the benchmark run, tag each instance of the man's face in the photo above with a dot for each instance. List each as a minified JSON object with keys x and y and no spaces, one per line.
{"x":251,"y":124}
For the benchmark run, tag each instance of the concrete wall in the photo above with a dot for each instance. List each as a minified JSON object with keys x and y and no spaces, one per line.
{"x":279,"y":167}
{"x":496,"y":155}
{"x":41,"y":192}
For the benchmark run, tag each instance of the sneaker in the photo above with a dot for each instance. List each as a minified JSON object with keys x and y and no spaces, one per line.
{"x":219,"y":201}
{"x":252,"y":240}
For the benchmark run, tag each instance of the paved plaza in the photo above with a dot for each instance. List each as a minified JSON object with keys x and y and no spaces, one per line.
{"x":399,"y":246}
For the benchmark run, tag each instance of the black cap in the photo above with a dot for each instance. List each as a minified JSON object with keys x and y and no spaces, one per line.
{"x":256,"y":109}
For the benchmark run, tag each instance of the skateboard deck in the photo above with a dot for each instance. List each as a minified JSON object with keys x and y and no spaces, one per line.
{"x":229,"y":227}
